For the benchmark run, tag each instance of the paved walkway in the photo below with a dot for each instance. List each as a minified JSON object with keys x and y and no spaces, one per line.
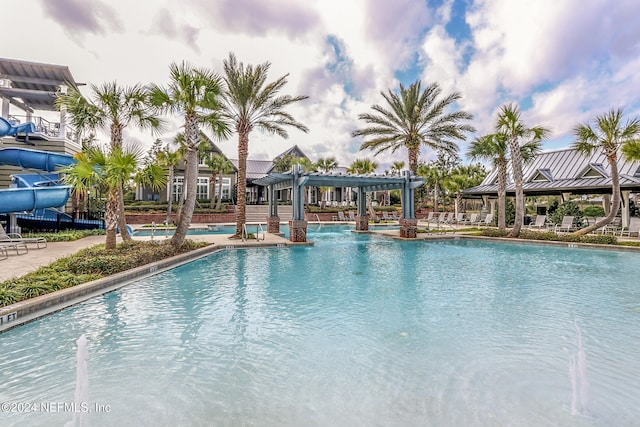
{"x":19,"y":265}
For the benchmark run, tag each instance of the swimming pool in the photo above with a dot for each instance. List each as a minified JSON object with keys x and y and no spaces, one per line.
{"x":356,"y":330}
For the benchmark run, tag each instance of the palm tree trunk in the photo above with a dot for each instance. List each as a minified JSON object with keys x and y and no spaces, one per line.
{"x":183,"y":193}
{"x":615,"y":198}
{"x":413,"y":159}
{"x":502,"y":194}
{"x":191,"y":176}
{"x":111,"y":218}
{"x":243,"y":153}
{"x":219,"y":204}
{"x":436,"y":190}
{"x":169,"y":195}
{"x":122,"y":220}
{"x":516,"y":166}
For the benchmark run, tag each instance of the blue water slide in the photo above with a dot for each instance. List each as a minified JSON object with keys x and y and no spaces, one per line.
{"x":28,"y":199}
{"x":34,"y":191}
{"x":9,"y":129}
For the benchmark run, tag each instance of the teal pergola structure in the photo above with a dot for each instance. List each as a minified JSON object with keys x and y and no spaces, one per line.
{"x":298,"y":179}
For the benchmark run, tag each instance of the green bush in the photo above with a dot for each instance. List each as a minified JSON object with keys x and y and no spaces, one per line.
{"x":567,"y":209}
{"x":87,"y":265}
{"x":553,"y":237}
{"x":593,"y":211}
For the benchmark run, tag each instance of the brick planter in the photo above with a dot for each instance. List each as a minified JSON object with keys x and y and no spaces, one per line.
{"x":298,"y":231}
{"x":408,"y":228}
{"x":362,"y":223}
{"x":273,"y":224}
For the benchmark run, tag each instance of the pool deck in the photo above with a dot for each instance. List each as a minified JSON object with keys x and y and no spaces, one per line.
{"x":19,"y":265}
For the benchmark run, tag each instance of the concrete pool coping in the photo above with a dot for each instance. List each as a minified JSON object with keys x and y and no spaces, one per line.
{"x":31,"y":309}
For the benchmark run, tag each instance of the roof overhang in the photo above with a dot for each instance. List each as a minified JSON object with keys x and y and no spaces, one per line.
{"x":368,"y":183}
{"x":33,"y":85}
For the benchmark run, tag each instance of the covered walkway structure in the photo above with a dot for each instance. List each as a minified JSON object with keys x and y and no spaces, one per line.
{"x":297,"y":180}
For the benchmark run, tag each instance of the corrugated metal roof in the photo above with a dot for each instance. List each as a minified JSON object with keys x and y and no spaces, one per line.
{"x":34,"y":84}
{"x":255,"y":168}
{"x":565,"y":170}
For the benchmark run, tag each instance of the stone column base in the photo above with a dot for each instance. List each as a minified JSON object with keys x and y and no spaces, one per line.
{"x":273,"y":224}
{"x":298,"y":231}
{"x":408,"y":228}
{"x":362,"y":223}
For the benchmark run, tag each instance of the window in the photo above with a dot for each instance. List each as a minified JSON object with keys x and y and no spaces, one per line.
{"x":178,"y":187}
{"x":226,"y":187}
{"x":202,"y":159}
{"x":202,"y":190}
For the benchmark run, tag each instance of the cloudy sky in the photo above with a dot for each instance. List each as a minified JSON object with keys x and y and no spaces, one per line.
{"x":562,"y":61}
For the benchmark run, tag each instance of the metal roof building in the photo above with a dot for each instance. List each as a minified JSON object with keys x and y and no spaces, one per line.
{"x":564,"y":171}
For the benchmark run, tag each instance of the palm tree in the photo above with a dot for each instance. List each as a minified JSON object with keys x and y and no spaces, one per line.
{"x":219,"y":165}
{"x":194,"y":93}
{"x":110,"y":169}
{"x":416,"y":117}
{"x":113,"y":107}
{"x":169,"y":159}
{"x":251,"y":103}
{"x":325,"y":165}
{"x":493,"y":147}
{"x":362,"y":166}
{"x":510,"y":124}
{"x":396,"y":168}
{"x":608,"y":136}
{"x":463,"y":177}
{"x":434,"y":178}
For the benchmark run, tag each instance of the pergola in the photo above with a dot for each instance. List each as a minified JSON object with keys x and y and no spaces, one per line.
{"x":297,"y":180}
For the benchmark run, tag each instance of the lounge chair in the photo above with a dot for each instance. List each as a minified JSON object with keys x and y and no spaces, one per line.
{"x":385,"y":216}
{"x":473,"y":219}
{"x":341,"y":216}
{"x":539,"y":223}
{"x":352,"y":216}
{"x":633,"y":228}
{"x":487,"y":221}
{"x":16,"y":246}
{"x":5,"y":237}
{"x":3,"y":252}
{"x":394,"y":216}
{"x":566,"y":226}
{"x":460,"y":219}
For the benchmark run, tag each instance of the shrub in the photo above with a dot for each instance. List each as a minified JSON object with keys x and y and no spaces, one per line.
{"x":593,"y":211}
{"x":87,"y":265}
{"x":567,"y":209}
{"x":553,"y":237}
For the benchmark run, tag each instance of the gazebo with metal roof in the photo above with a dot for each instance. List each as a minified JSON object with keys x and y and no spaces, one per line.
{"x":297,"y":180}
{"x":564,"y":172}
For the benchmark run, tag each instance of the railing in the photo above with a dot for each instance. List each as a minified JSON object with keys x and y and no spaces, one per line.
{"x":259,"y":230}
{"x":44,"y":126}
{"x":153,"y":229}
{"x":244,"y":234}
{"x":319,"y":223}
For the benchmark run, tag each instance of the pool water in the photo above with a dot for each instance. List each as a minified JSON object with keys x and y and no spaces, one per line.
{"x":355,"y":330}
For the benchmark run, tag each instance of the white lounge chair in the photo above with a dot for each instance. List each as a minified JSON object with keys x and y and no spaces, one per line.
{"x":539,"y":223}
{"x":487,"y":221}
{"x":566,"y":225}
{"x":5,"y":237}
{"x":341,"y":216}
{"x":16,"y":246}
{"x":634,"y":228}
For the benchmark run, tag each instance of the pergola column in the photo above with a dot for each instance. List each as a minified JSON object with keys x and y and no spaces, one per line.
{"x":273,"y":220}
{"x":408,"y":222}
{"x":362,"y":221}
{"x":625,"y":208}
{"x":298,"y":226}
